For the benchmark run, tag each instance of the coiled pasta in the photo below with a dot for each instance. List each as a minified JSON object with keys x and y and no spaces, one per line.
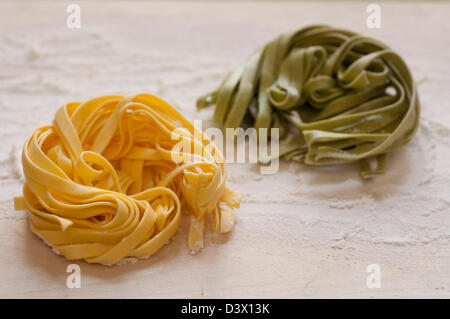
{"x":102,"y":183}
{"x":336,"y":96}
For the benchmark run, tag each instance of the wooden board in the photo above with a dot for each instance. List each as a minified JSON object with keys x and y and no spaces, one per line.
{"x":304,"y":232}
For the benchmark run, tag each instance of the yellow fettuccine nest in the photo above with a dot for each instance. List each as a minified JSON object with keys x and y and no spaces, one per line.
{"x":102,"y":183}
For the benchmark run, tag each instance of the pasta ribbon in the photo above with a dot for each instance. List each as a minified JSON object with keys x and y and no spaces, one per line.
{"x":102,"y":183}
{"x":336,"y":97}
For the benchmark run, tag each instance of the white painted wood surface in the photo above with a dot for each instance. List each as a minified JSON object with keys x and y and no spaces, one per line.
{"x":304,"y":232}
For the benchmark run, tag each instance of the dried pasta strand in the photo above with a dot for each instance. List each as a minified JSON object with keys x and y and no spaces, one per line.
{"x":101,"y":182}
{"x":327,"y":90}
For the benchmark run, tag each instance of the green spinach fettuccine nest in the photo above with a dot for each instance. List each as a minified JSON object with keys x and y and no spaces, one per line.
{"x":336,"y":97}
